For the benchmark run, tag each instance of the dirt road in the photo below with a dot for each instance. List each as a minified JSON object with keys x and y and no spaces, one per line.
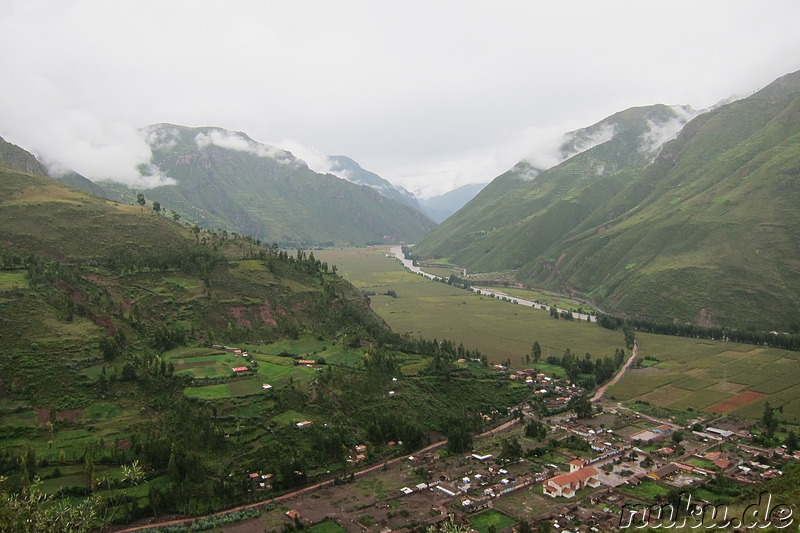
{"x":602,"y":390}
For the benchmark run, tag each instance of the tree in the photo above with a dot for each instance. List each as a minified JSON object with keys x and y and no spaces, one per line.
{"x":140,"y":199}
{"x":449,"y":526}
{"x":88,"y":472}
{"x":769,"y":421}
{"x":537,"y":351}
{"x":581,"y":406}
{"x":31,"y":511}
{"x":630,"y":338}
{"x":157,"y":207}
{"x":791,"y":442}
{"x":677,"y":437}
{"x":511,"y":449}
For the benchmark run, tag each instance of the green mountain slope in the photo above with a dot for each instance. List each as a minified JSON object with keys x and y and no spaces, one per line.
{"x":706,"y":233}
{"x":226,"y":180}
{"x":88,"y":266}
{"x":116,"y":393}
{"x":524,"y":211}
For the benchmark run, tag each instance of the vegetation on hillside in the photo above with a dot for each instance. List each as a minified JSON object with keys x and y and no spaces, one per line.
{"x":262,"y":191}
{"x":112,"y":393}
{"x":703,"y":234}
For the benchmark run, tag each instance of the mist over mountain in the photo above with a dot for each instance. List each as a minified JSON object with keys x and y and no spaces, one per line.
{"x":223,"y":179}
{"x":702,"y":228}
{"x":348,"y":169}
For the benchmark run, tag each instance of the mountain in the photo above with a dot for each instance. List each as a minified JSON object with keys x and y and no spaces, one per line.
{"x":524,"y":211}
{"x":12,"y":156}
{"x":149,"y":368}
{"x":705,"y":232}
{"x":442,"y":206}
{"x":351,"y":171}
{"x":223,"y":179}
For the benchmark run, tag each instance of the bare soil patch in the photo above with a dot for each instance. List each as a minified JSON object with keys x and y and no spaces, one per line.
{"x":70,"y":415}
{"x":737,"y":401}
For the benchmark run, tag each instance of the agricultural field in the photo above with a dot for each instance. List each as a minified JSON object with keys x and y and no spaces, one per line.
{"x":714,"y":376}
{"x":680,"y":375}
{"x":501,"y":330}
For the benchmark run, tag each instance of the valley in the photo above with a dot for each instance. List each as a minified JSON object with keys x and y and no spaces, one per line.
{"x":641,"y":445}
{"x":250,"y":345}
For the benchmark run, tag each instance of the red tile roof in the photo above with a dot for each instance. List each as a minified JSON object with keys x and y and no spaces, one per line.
{"x":573,"y":477}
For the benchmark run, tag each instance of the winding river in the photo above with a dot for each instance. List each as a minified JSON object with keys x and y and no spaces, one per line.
{"x":397,"y":251}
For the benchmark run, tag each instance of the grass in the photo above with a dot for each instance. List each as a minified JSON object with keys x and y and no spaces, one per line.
{"x":646,"y":490}
{"x":482,"y":521}
{"x":435,"y":310}
{"x":209,"y":392}
{"x":689,"y":374}
{"x":699,"y":374}
{"x":13,"y":279}
{"x":326,"y":526}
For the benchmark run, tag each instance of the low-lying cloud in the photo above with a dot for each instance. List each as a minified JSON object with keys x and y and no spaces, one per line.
{"x":101,"y":151}
{"x":658,"y":133}
{"x":240,"y":143}
{"x":576,"y":142}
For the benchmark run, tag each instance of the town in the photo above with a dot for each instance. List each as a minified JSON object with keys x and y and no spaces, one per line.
{"x":543,"y":467}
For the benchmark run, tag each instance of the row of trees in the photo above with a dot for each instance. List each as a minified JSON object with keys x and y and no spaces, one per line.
{"x":786,"y":341}
{"x":584,"y":370}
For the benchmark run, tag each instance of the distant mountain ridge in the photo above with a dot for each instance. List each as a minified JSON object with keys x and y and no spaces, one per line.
{"x":353,"y":172}
{"x":507,"y":216}
{"x":701,"y":229}
{"x":442,"y":206}
{"x":223,"y":179}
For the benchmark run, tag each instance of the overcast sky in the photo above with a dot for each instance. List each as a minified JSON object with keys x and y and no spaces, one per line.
{"x":428,"y":94}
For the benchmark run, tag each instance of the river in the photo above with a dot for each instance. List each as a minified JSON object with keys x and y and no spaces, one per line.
{"x":397,"y":251}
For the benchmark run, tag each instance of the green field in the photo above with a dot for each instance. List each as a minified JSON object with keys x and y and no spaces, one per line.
{"x":204,"y":362}
{"x":482,"y":521}
{"x":327,"y":526}
{"x":687,"y":374}
{"x":501,"y":330}
{"x":13,"y":279}
{"x":699,"y":374}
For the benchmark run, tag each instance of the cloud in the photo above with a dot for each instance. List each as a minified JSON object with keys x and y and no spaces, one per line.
{"x":316,"y":160}
{"x":658,"y":133}
{"x":100,"y":151}
{"x":576,"y":142}
{"x":241,"y":143}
